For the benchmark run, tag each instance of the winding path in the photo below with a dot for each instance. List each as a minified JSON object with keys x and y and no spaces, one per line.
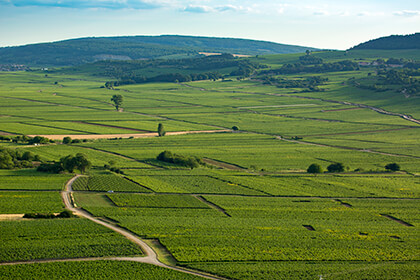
{"x":151,"y":256}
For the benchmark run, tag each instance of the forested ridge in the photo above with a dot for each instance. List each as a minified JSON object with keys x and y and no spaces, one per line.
{"x":86,"y":50}
{"x":393,"y":42}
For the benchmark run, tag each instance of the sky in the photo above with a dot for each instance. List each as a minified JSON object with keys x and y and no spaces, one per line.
{"x":326,"y":24}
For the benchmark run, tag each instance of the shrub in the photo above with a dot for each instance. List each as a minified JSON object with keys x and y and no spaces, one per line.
{"x":67,"y":140}
{"x":392,"y":167}
{"x":314,"y":168}
{"x":191,"y":162}
{"x":336,"y":167}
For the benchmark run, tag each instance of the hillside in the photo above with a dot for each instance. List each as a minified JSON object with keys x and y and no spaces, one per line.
{"x":85,"y":50}
{"x":393,"y":42}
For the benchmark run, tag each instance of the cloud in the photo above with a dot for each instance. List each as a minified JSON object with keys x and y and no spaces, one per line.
{"x":198,"y":9}
{"x":209,"y":9}
{"x":85,"y":4}
{"x":407,"y":13}
{"x":321,"y":13}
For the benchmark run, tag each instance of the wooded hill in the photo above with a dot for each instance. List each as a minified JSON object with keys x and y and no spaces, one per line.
{"x":85,"y":50}
{"x":394,"y":42}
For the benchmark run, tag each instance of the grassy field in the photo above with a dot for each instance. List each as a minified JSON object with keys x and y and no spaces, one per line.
{"x":253,"y":212}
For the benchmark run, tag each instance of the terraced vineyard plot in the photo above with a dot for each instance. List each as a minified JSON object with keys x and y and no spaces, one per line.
{"x":267,"y":230}
{"x":280,"y":125}
{"x":87,"y":128}
{"x":30,"y":129}
{"x":30,"y":179}
{"x":312,"y":270}
{"x":60,"y":238}
{"x":252,"y":150}
{"x":380,"y":185}
{"x":406,"y":143}
{"x":30,"y":202}
{"x":107,"y":183}
{"x":98,"y":158}
{"x":193,"y":184}
{"x":169,"y":125}
{"x":156,"y":201}
{"x":92,"y":270}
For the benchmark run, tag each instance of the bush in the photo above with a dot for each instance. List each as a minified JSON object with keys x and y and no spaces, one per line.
{"x":65,"y":214}
{"x":336,"y":167}
{"x":67,"y":140}
{"x":392,"y":167}
{"x":54,"y":167}
{"x":235,"y":128}
{"x":314,"y":168}
{"x":191,"y":162}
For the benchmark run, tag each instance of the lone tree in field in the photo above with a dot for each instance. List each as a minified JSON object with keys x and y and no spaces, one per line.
{"x":335,"y":167}
{"x":161,"y":130}
{"x":392,"y":167}
{"x":314,"y":168}
{"x":117,"y":99}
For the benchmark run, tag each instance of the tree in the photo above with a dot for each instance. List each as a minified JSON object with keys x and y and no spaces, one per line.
{"x":335,"y":167}
{"x":161,"y":130}
{"x":81,"y":162}
{"x":68,"y":163}
{"x":117,"y":99}
{"x":314,"y":168}
{"x":392,"y":167}
{"x":235,"y":128}
{"x":67,"y":140}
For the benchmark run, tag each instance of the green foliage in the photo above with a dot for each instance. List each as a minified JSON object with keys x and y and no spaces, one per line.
{"x":107,"y":183}
{"x":191,"y":162}
{"x":17,"y":202}
{"x":156,"y":201}
{"x":314,"y":168}
{"x":393,"y":42}
{"x":88,"y":270}
{"x":60,"y":238}
{"x":16,"y":158}
{"x":64,"y":214}
{"x":117,"y":99}
{"x":393,"y":167}
{"x":344,"y":65}
{"x":84,"y":50}
{"x":161,"y":130}
{"x":39,"y":140}
{"x":310,"y":59}
{"x":335,"y":167}
{"x":70,"y":163}
{"x":67,"y":140}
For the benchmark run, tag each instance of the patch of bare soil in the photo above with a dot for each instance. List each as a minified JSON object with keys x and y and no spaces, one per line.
{"x":11,"y":217}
